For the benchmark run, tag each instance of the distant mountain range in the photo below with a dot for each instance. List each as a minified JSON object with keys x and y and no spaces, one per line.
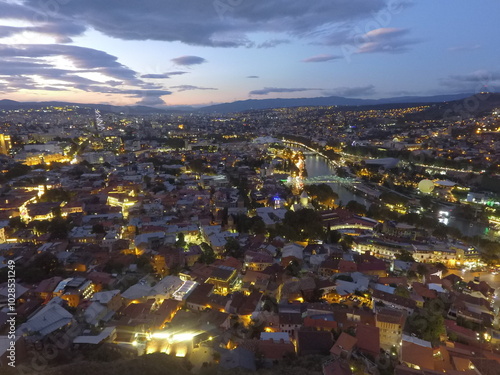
{"x":256,"y":104}
{"x":475,"y":105}
{"x":441,"y":101}
{"x":137,"y":109}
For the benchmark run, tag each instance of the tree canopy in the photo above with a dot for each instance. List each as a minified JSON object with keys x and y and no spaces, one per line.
{"x":322,"y":193}
{"x":428,"y":323}
{"x":356,"y":207}
{"x":305,"y":224}
{"x":56,"y":195}
{"x":233,"y":247}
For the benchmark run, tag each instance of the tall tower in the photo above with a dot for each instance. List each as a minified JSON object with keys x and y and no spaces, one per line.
{"x":5,"y":144}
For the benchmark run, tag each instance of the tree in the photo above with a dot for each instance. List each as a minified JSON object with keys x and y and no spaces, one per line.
{"x":322,"y":193}
{"x":293,"y":268}
{"x":405,"y":256}
{"x":421,"y":269}
{"x":428,"y":323}
{"x":181,"y":242}
{"x":342,"y":172}
{"x":144,"y":264}
{"x":43,"y":266}
{"x":402,"y":291}
{"x":16,"y":223}
{"x":441,"y":267}
{"x":233,"y":248}
{"x":98,"y":228}
{"x":269,"y":304}
{"x":242,"y":223}
{"x":441,"y":231}
{"x":334,"y":236}
{"x":208,"y":255}
{"x":257,"y":225}
{"x":17,"y":170}
{"x":305,"y":224}
{"x":393,"y":199}
{"x":346,"y":243}
{"x":412,"y":275}
{"x":56,"y":195}
{"x":59,"y":228}
{"x":113,"y":266}
{"x":356,"y":207}
{"x":197,"y":165}
{"x":40,"y":226}
{"x":426,"y":202}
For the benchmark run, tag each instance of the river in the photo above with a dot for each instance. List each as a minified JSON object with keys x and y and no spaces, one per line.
{"x":318,"y":166}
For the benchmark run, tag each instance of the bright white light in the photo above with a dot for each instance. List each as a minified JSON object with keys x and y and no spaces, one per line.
{"x":175,"y":337}
{"x":181,"y":352}
{"x":444,"y":220}
{"x":161,"y":335}
{"x":179,"y":337}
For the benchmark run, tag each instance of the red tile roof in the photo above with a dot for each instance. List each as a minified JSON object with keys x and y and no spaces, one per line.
{"x":418,"y":355}
{"x":368,"y":339}
{"x":345,"y":342}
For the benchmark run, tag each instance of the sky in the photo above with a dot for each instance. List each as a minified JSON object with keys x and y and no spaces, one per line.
{"x":201,"y":52}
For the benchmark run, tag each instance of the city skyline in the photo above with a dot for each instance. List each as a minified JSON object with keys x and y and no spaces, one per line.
{"x":201,"y":53}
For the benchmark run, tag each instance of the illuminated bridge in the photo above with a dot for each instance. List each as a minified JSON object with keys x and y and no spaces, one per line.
{"x":329,"y":179}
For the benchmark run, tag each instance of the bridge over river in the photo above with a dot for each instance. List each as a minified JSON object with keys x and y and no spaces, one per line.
{"x":328,"y":179}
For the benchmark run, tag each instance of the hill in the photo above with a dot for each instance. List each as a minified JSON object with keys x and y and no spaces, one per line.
{"x":257,"y":104}
{"x":448,"y":105}
{"x":7,"y":104}
{"x":471,"y":106}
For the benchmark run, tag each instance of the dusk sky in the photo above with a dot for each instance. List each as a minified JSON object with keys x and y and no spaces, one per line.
{"x":199,"y":52}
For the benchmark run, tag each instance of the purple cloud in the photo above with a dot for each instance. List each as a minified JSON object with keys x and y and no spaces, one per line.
{"x":321,"y":58}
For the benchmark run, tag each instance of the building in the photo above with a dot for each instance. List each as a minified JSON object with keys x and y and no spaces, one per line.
{"x":390,"y":322}
{"x":368,"y":340}
{"x":417,"y":353}
{"x":394,"y":301}
{"x":224,"y":278}
{"x":73,"y":290}
{"x":5,"y":144}
{"x":344,"y":346}
{"x":314,"y":342}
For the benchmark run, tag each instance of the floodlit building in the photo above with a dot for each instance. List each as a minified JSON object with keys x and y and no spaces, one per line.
{"x":5,"y":144}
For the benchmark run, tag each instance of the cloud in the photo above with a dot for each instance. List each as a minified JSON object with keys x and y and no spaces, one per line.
{"x":464,"y":48}
{"x":321,"y":58}
{"x":151,"y":101}
{"x":386,"y":40}
{"x":273,"y":43}
{"x":271,"y":90}
{"x":477,"y":76}
{"x":204,"y":23}
{"x":381,"y":40}
{"x":188,"y":60}
{"x":190,"y":88}
{"x":353,"y":91}
{"x":28,"y":66}
{"x":162,"y":76}
{"x":479,"y":80}
{"x":252,"y":76}
{"x":339,"y":37}
{"x":61,"y":31}
{"x":84,"y":59}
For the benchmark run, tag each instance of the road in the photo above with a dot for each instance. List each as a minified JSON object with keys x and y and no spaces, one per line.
{"x":492,"y":280}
